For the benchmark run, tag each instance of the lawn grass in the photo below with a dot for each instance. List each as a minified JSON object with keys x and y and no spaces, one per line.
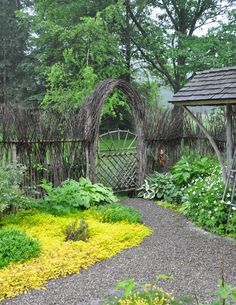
{"x":111,"y":144}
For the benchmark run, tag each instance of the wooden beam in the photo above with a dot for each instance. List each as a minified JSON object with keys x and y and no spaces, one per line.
{"x":229,"y":136}
{"x":204,"y":102}
{"x":212,"y":141}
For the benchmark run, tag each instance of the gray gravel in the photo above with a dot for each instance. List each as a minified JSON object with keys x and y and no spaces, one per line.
{"x":176,"y":248}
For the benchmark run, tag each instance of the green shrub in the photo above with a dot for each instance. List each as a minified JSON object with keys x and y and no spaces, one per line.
{"x":16,"y":246}
{"x":162,"y":187}
{"x":150,"y":294}
{"x":202,"y":203}
{"x":11,"y":196}
{"x":134,"y":294}
{"x":117,"y":212}
{"x":75,"y":233}
{"x":71,"y":195}
{"x":190,"y":167}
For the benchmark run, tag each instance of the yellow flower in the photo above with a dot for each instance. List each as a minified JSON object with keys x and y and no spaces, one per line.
{"x":59,"y":258}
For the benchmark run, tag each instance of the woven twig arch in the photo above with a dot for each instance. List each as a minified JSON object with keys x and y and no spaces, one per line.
{"x":91,"y":113}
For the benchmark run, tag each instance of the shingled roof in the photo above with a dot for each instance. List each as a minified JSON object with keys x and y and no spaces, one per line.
{"x":211,"y":87}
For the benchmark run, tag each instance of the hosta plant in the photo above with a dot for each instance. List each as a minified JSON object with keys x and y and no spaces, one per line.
{"x":161,"y":186}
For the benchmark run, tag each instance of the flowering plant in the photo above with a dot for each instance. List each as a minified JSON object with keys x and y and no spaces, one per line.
{"x":202,"y":202}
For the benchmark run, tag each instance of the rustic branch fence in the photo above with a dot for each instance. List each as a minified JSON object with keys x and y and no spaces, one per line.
{"x":55,"y":146}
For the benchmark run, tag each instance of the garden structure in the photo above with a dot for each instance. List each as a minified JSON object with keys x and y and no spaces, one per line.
{"x":90,"y":122}
{"x":57,"y":146}
{"x":215,"y":87}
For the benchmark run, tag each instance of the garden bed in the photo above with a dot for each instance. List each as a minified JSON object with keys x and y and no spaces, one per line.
{"x":59,"y":258}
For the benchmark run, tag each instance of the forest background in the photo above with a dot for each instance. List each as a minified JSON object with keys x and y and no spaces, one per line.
{"x":54,"y":52}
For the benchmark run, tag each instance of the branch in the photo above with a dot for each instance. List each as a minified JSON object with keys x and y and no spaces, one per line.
{"x":175,"y":24}
{"x":138,"y":25}
{"x":161,"y":69}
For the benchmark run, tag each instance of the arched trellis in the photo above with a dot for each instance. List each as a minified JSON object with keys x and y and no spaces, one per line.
{"x":91,"y":113}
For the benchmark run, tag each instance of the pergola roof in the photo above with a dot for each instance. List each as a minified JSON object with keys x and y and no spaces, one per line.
{"x":211,"y":87}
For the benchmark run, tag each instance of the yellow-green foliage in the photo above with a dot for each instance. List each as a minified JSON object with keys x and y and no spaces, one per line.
{"x":148,"y":295}
{"x":157,"y":299}
{"x":59,"y":258}
{"x":172,"y":206}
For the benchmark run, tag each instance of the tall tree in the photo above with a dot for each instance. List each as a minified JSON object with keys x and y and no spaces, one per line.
{"x":164,"y":38}
{"x":75,"y":49}
{"x":17,"y":82}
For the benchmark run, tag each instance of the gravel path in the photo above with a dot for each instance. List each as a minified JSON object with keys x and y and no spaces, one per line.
{"x":176,"y":248}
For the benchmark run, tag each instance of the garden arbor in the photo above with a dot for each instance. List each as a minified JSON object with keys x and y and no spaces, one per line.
{"x":207,"y":88}
{"x":91,"y":115}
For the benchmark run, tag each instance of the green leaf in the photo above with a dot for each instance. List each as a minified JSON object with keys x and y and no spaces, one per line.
{"x":164,"y":276}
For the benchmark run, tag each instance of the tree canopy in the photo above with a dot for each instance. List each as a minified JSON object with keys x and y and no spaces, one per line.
{"x":54,"y":52}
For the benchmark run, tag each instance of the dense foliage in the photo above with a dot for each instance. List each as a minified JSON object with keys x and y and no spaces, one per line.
{"x":16,"y":246}
{"x":11,"y":196}
{"x":72,"y":195}
{"x":203,"y":204}
{"x":197,"y":184}
{"x":18,"y":81}
{"x":190,"y":167}
{"x":55,"y":52}
{"x":117,"y":212}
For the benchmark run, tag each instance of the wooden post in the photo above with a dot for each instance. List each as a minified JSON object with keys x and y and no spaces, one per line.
{"x":13,"y":153}
{"x":212,"y":141}
{"x":229,"y":136}
{"x":141,"y":155}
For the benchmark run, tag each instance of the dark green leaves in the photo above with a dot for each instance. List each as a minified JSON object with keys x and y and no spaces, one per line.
{"x":71,"y":195}
{"x":16,"y":246}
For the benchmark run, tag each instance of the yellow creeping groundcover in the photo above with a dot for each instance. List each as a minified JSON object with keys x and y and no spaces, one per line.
{"x":59,"y":258}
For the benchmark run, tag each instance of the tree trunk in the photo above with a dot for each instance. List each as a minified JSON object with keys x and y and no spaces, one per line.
{"x":127,"y":41}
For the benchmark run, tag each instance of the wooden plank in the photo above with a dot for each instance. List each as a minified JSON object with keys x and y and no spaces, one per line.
{"x":202,"y":83}
{"x":182,"y":102}
{"x":116,"y":149}
{"x":199,"y":92}
{"x":229,"y":90}
{"x":116,"y":155}
{"x":229,"y":136}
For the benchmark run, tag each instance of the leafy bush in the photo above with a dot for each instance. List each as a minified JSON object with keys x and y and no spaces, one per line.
{"x":151,"y":294}
{"x":73,"y":194}
{"x":117,"y":212}
{"x":11,"y":196}
{"x":133,"y":294}
{"x":190,"y":167}
{"x":202,"y":203}
{"x":16,"y":246}
{"x":75,"y":233}
{"x":162,"y":187}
